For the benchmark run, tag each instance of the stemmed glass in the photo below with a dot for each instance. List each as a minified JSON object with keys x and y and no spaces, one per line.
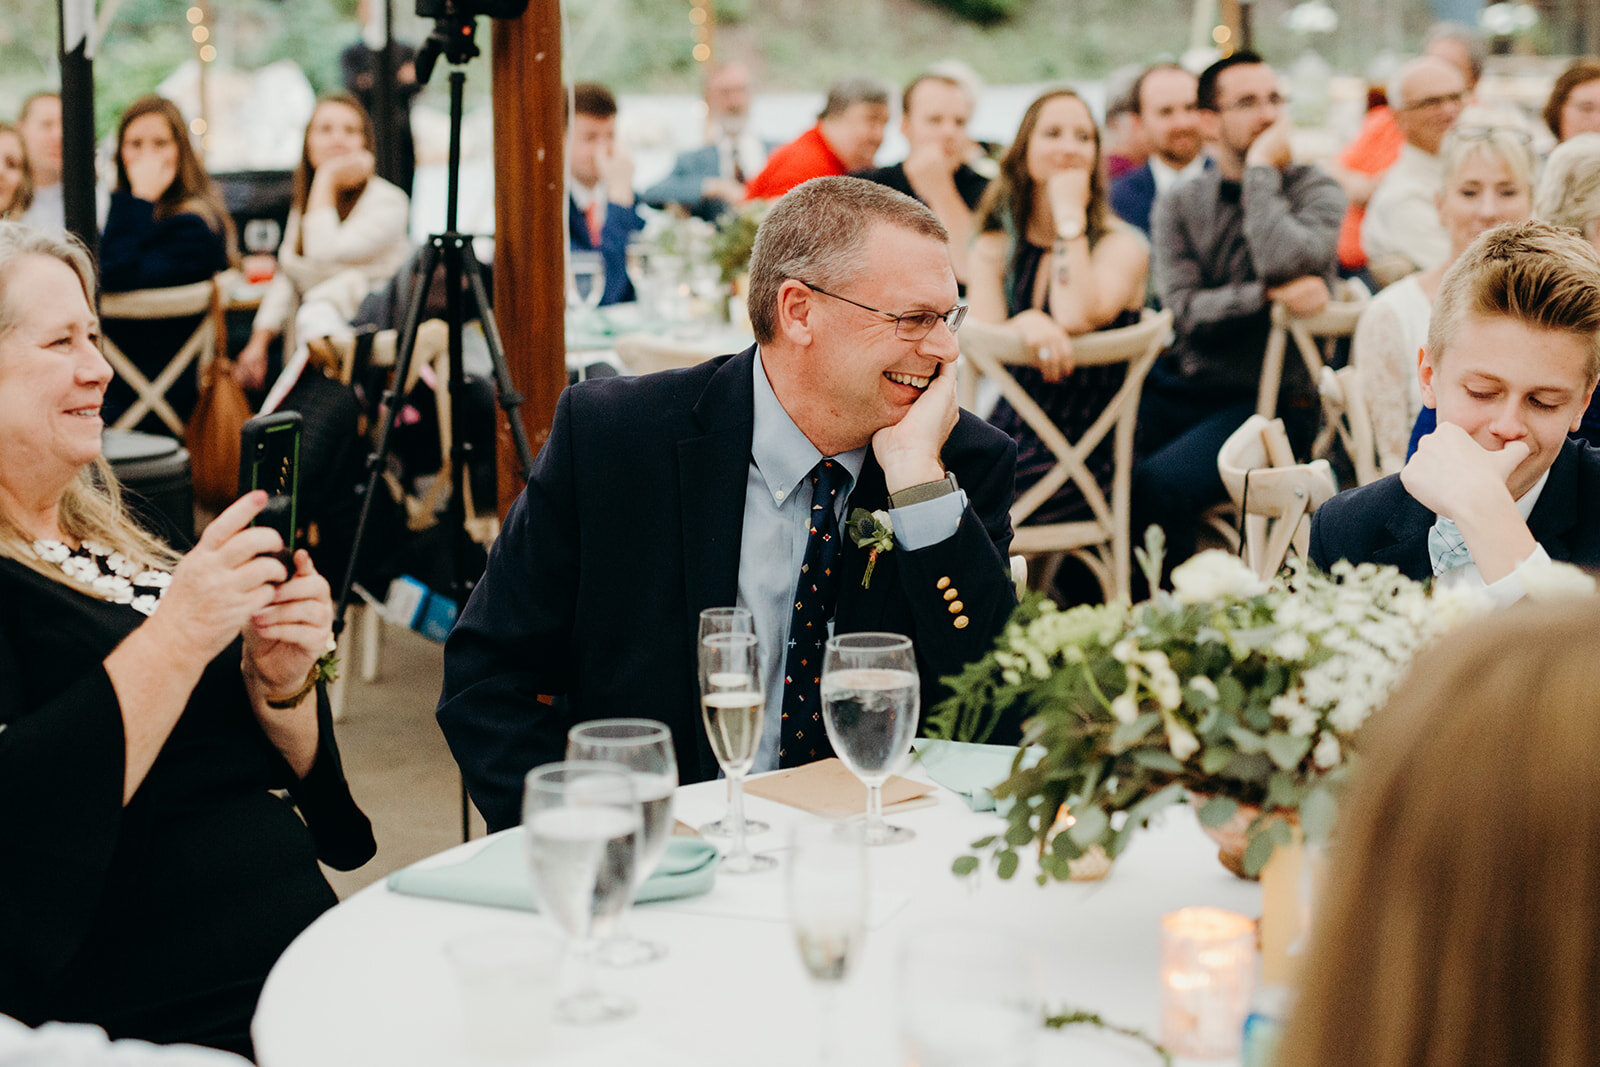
{"x":586,"y":280}
{"x":732,"y":702}
{"x":827,"y":911}
{"x":728,"y":621}
{"x":870,"y":696}
{"x":582,"y":823}
{"x":644,"y":746}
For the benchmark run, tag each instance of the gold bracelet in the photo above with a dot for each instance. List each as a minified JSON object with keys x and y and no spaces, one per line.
{"x":326,"y":669}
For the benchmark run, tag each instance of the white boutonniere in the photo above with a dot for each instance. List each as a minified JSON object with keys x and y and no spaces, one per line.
{"x":872,"y":531}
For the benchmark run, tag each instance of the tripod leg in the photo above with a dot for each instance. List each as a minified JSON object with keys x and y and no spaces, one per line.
{"x":505,"y":389}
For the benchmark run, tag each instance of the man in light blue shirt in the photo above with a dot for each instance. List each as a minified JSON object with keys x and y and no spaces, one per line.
{"x":730,"y":482}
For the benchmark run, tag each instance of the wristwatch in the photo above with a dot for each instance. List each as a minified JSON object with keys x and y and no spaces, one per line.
{"x":916,"y":494}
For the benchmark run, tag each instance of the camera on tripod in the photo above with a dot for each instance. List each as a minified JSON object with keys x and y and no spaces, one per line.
{"x":454,"y":26}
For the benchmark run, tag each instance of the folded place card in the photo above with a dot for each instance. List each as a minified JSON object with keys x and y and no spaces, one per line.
{"x":497,"y":875}
{"x":828,"y":788}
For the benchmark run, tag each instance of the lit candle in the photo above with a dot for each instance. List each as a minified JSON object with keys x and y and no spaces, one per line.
{"x":1207,"y":971}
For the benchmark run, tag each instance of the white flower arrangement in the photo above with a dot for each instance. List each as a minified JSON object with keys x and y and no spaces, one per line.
{"x":1245,"y":693}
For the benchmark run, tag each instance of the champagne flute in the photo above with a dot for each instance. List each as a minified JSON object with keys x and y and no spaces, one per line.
{"x":582,"y":824}
{"x":728,"y":621}
{"x":732,"y":703}
{"x":644,"y":746}
{"x":827,"y":912}
{"x":870,"y":697}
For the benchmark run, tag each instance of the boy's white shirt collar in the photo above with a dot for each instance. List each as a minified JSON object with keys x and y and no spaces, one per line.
{"x":1509,"y":589}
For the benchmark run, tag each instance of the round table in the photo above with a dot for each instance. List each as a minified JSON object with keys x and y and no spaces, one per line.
{"x":369,"y":982}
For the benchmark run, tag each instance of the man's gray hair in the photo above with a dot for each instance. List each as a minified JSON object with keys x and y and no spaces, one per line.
{"x":849,"y":91}
{"x":1397,"y":81}
{"x":817,"y":234}
{"x":1569,"y":191}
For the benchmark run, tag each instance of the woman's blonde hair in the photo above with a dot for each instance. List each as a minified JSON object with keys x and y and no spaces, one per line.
{"x":1569,"y":192}
{"x":1461,"y":922}
{"x":91,"y":507}
{"x":1491,"y":132}
{"x":23,"y":199}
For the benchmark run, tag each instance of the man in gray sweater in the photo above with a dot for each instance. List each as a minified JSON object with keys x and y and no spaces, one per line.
{"x":1254,"y":229}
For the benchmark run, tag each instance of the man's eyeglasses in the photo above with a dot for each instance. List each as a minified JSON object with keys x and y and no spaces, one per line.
{"x":1253,"y":102}
{"x":913,"y":325}
{"x":1428,"y":103}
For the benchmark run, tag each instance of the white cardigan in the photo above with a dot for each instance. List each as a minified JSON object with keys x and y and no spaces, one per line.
{"x":372,"y":239}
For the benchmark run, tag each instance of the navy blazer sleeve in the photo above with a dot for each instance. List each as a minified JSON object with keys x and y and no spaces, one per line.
{"x":137,"y":251}
{"x":685,"y":185}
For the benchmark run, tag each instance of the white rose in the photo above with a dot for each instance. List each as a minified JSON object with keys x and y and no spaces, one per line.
{"x":1326,"y":754}
{"x":1214,"y":575}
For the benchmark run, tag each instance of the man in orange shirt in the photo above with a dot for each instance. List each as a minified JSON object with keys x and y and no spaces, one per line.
{"x":845,"y":138}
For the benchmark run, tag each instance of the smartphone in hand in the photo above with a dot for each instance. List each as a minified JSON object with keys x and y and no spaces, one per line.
{"x":269,"y":458}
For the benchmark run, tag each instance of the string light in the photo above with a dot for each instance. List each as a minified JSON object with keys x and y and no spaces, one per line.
{"x":200,"y":34}
{"x":195,"y":16}
{"x":702,"y":19}
{"x":208,"y":54}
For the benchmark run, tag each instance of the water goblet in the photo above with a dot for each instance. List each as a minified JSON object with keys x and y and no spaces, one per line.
{"x":582,"y":824}
{"x":827,"y":912}
{"x":728,"y":621}
{"x":644,"y":746}
{"x":870,"y":696}
{"x":586,"y":280}
{"x":732,"y":703}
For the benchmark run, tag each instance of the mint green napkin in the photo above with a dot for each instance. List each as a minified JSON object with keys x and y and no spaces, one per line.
{"x":970,"y":770}
{"x":497,"y":875}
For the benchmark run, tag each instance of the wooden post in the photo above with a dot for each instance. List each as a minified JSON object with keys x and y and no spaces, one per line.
{"x":529,"y":199}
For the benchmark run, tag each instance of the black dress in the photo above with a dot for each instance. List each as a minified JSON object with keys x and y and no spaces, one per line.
{"x":1072,"y":404}
{"x":161,"y":919}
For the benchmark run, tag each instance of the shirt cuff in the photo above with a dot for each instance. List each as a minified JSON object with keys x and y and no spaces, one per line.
{"x":920,"y":525}
{"x":1510,"y":589}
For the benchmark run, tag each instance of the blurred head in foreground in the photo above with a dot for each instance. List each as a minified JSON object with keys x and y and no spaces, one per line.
{"x":1461,"y":921}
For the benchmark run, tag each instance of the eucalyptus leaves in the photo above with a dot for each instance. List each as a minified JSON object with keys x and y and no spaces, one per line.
{"x":1241,"y":692}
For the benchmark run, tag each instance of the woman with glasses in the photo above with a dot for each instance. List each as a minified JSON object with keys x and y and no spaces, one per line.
{"x":1051,"y":261}
{"x":1488,"y":181}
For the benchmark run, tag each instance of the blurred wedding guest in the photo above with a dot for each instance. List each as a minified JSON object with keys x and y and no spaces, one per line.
{"x":1359,"y":168}
{"x":16,"y":177}
{"x":359,"y":65}
{"x":1164,"y":100}
{"x":1451,"y":941}
{"x":81,"y":1045}
{"x":1255,"y":228}
{"x":1052,"y":261}
{"x":1401,"y":226}
{"x":40,"y":125}
{"x":1569,"y":195}
{"x":153,"y":706}
{"x":1125,"y":145}
{"x":1574,"y":104}
{"x":1460,"y":47}
{"x":601,"y":213}
{"x":167,"y":226}
{"x":1488,"y":181}
{"x":707,"y":180}
{"x":934,"y":114}
{"x":846,"y":137}
{"x":347,"y":235}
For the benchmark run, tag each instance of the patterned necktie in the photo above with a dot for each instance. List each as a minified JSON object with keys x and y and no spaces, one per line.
{"x":1447,"y":550}
{"x":733,"y":155}
{"x":803,"y":738}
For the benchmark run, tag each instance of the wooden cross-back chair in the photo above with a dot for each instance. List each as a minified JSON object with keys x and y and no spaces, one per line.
{"x":1344,"y":410}
{"x":207,"y":299}
{"x":1311,"y":334}
{"x":1276,"y":495}
{"x":1101,"y":541}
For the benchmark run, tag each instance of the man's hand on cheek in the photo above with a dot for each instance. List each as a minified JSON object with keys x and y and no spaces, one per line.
{"x":909,"y":450}
{"x":1453,"y":476}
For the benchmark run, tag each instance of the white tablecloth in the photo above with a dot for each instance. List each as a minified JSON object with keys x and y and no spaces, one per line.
{"x":369,"y":983}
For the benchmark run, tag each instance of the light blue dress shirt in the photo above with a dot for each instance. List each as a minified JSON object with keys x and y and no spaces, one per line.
{"x":777,"y":501}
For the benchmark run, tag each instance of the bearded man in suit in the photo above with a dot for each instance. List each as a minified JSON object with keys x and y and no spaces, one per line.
{"x":730,"y":482}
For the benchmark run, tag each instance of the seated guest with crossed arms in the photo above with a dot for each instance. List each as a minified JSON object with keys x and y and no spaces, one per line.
{"x":657,"y":497}
{"x":1512,"y":356}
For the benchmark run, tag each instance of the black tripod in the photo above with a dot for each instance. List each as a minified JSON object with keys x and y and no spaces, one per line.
{"x":453,"y":38}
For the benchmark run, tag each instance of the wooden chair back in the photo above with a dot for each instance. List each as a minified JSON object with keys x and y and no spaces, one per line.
{"x":207,"y":299}
{"x":1344,"y":409}
{"x":1309,"y":334}
{"x":1101,"y":541}
{"x":1275,"y":494}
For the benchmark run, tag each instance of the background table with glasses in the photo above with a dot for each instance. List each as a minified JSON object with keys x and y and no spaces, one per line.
{"x":369,"y":982}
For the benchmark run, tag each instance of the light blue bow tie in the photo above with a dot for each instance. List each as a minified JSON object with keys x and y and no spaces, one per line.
{"x":1446,"y":549}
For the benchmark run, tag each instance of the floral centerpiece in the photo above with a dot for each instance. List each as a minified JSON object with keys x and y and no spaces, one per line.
{"x":736,"y":239}
{"x":1242,"y":694}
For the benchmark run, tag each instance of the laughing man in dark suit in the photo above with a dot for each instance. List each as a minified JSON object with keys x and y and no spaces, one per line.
{"x":1511,"y":361}
{"x":660,"y":496}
